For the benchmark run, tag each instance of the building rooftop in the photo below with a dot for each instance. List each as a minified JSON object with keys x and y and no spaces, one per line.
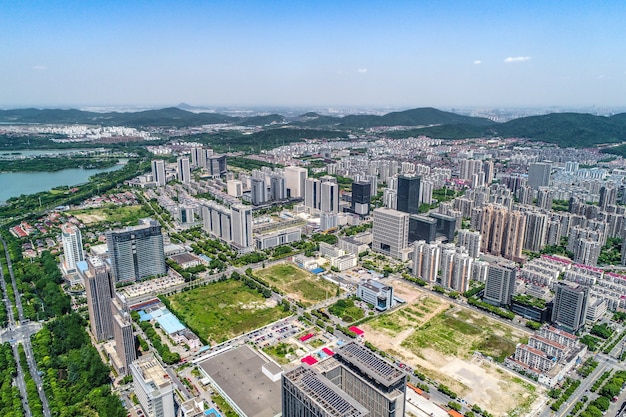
{"x":370,"y":363}
{"x":152,"y":371}
{"x":324,"y":393}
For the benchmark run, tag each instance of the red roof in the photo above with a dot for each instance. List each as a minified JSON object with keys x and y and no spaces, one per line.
{"x":309,"y":360}
{"x":306,"y":337}
{"x":356,"y":330}
{"x":328,"y":351}
{"x":454,"y":413}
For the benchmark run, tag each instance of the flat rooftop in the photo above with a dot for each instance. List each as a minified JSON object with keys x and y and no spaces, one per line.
{"x":371,"y":364}
{"x":238,"y":373}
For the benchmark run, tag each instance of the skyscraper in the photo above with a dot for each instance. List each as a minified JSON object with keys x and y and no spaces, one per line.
{"x":390,"y":231}
{"x":158,"y":172}
{"x":294,"y":181}
{"x":241,"y":218}
{"x":408,"y":194}
{"x":426,"y":261}
{"x":570,"y":306}
{"x":500,"y":285}
{"x":258,"y":191}
{"x":136,"y":252}
{"x":330,"y":197}
{"x":539,"y":175}
{"x":72,"y":246}
{"x":422,"y":228}
{"x":99,"y":292}
{"x":183,"y":170}
{"x":312,"y":194}
{"x":123,"y":334}
{"x":361,"y":198}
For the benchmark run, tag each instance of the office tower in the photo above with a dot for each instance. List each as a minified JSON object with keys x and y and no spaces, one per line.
{"x":378,"y":385}
{"x":409,"y":194}
{"x":217,"y":221}
{"x":136,"y":252}
{"x":500,"y":284}
{"x":544,"y":198}
{"x":390,"y":231}
{"x":278,"y":191}
{"x":426,"y":261}
{"x":570,"y":306}
{"x":216,"y":165}
{"x":186,"y":214}
{"x":446,"y":225}
{"x":183,"y":170}
{"x":241,"y":217}
{"x":608,"y":196}
{"x":99,"y":292}
{"x":361,"y":198}
{"x":72,"y":246}
{"x":294,"y":181}
{"x":422,"y":228}
{"x":373,"y":179}
{"x":153,"y":387}
{"x":469,"y":240}
{"x":158,"y":172}
{"x":123,"y":335}
{"x":198,"y":159}
{"x":539,"y":175}
{"x":234,"y":188}
{"x":307,"y":393}
{"x":312,"y":194}
{"x":330,"y":197}
{"x":258,"y":191}
{"x":536,"y":231}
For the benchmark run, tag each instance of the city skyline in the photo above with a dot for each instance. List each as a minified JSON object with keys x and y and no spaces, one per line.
{"x":405,"y":54}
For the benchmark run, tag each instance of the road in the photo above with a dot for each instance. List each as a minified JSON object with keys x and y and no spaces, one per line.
{"x":22,"y":334}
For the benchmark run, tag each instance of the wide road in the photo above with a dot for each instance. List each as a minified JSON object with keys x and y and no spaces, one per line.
{"x":25,"y":337}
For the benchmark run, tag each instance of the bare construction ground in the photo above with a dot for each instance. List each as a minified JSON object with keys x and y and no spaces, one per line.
{"x":455,"y":346}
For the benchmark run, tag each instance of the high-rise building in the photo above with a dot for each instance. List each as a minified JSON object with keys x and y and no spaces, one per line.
{"x":469,"y":240}
{"x":307,"y":393}
{"x":426,"y":261}
{"x":361,"y":198}
{"x":570,"y":306}
{"x":123,"y":335}
{"x":536,"y":231}
{"x":99,"y":292}
{"x":328,"y":221}
{"x":502,"y":231}
{"x":409,"y":194}
{"x":330,"y":197}
{"x":153,"y":387}
{"x":72,"y":246}
{"x":234,"y":188}
{"x":608,"y":196}
{"x":422,"y":228}
{"x":390,"y":231}
{"x":544,"y":198}
{"x":258,"y":193}
{"x":294,"y":181}
{"x":216,"y":165}
{"x":158,"y":172}
{"x":539,"y":174}
{"x":446,"y":225}
{"x":312,"y":195}
{"x":241,"y":218}
{"x":136,"y":252}
{"x":183,"y":169}
{"x":278,"y":191}
{"x":500,"y":284}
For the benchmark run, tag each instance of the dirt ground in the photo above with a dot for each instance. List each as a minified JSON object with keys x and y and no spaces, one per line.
{"x":90,"y":218}
{"x":477,"y":380}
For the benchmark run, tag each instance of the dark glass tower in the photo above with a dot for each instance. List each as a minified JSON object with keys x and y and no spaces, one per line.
{"x":361,"y":198}
{"x":409,"y":194}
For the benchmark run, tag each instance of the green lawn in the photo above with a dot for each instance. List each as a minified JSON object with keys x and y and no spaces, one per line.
{"x":347,"y":311}
{"x":298,"y":283}
{"x":223,"y":310}
{"x":126,"y":215}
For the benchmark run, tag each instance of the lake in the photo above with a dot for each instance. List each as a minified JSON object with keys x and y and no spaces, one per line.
{"x":14,"y":184}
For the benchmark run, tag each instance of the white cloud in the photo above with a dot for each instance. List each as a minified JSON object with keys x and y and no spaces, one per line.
{"x":40,"y":67}
{"x":478,"y":62}
{"x":516,"y":59}
{"x":362,"y":70}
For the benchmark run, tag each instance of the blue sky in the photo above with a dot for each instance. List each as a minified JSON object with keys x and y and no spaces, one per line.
{"x":303,"y":53}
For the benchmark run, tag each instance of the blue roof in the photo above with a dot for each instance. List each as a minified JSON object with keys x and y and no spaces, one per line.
{"x":317,"y":270}
{"x":206,"y":258}
{"x":212,"y":412}
{"x":143,"y":316}
{"x":170,"y":323}
{"x":82,"y":266}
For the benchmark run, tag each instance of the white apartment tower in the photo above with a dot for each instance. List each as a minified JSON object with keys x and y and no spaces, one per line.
{"x":158,"y":172}
{"x":294,"y":181}
{"x":72,"y":246}
{"x":183,"y":170}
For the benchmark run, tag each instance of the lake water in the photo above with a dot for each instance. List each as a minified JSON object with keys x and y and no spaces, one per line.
{"x":14,"y":184}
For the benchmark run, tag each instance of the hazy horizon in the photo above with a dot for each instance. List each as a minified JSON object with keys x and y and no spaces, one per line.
{"x":403,"y":54}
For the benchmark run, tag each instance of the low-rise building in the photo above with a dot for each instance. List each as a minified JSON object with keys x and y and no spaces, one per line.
{"x":375,"y":293}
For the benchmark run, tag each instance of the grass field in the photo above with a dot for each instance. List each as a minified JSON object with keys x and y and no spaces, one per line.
{"x":223,"y":310}
{"x":125,"y":215}
{"x":408,"y":317}
{"x":298,"y":283}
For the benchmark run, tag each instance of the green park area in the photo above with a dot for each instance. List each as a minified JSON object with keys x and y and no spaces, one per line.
{"x":347,"y":311}
{"x":297,"y":283}
{"x":112,"y":214}
{"x":223,"y":310}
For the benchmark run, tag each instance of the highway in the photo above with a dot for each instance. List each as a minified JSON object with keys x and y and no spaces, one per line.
{"x":21,"y":334}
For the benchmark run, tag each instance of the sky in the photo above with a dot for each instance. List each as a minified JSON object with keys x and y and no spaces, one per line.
{"x":399,"y":53}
